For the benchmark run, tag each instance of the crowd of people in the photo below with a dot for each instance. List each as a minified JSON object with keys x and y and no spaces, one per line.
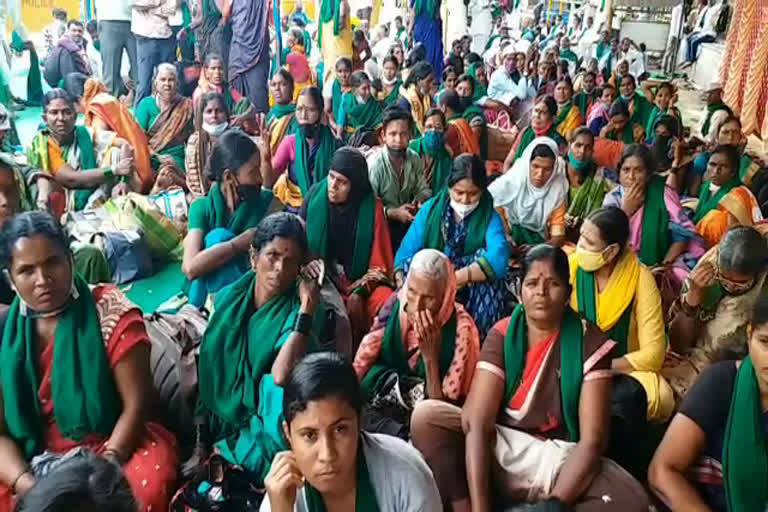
{"x":501,"y":275}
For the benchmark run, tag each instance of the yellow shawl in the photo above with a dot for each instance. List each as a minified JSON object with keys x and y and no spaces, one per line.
{"x":419,"y":106}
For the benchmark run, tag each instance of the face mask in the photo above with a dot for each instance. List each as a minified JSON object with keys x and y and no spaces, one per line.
{"x":511,"y":67}
{"x":398,"y":154}
{"x":465,"y":102}
{"x":463,"y":210}
{"x":215,"y":130}
{"x":309,"y":131}
{"x":736,"y":288}
{"x":577,"y":164}
{"x":386,"y":82}
{"x":434,"y":140}
{"x":627,"y":98}
{"x":590,"y":261}
{"x":248,"y":192}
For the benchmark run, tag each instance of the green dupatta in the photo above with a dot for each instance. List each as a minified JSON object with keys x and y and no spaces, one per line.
{"x":641,"y":110}
{"x":365,"y":497}
{"x":528,"y":136}
{"x":709,"y":201}
{"x":337,"y":96}
{"x":745,"y":462}
{"x":441,"y":166}
{"x":392,"y":357}
{"x":564,"y":111}
{"x":317,"y":229}
{"x":627,"y":135}
{"x":586,"y":292}
{"x":247,"y":214}
{"x":655,"y":115}
{"x":571,"y":341}
{"x":654,"y":241}
{"x":584,"y":100}
{"x":480,"y":90}
{"x":478,"y":220}
{"x":711,"y":109}
{"x":391,"y":99}
{"x":304,"y":175}
{"x":85,"y":396}
{"x":280,"y":111}
{"x":356,"y":115}
{"x":329,"y":10}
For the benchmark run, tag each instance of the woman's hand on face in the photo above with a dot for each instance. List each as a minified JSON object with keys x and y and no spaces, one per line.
{"x":429,"y":335}
{"x":312,"y":276}
{"x":283,"y":482}
{"x":702,"y":277}
{"x":633,"y":199}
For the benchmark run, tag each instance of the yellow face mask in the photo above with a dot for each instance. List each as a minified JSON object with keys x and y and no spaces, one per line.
{"x":590,"y":261}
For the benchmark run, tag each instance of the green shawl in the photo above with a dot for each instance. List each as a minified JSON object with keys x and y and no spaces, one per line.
{"x":583,"y":100}
{"x":480,"y":90}
{"x":85,"y":397}
{"x":393,"y":96}
{"x":654,"y":241}
{"x":247,"y":214}
{"x":393,"y":357}
{"x":305,"y":176}
{"x":336,"y":98}
{"x":571,"y":341}
{"x":34,"y":79}
{"x":356,"y":115}
{"x":494,"y":37}
{"x":524,"y":236}
{"x":641,"y":110}
{"x":434,"y":236}
{"x":588,"y":196}
{"x":427,"y":7}
{"x":745,"y":463}
{"x":562,"y":114}
{"x":655,"y":115}
{"x":528,"y":136}
{"x":711,"y":109}
{"x":708,"y":201}
{"x":280,"y":111}
{"x":586,"y":291}
{"x":329,"y":10}
{"x":317,"y":229}
{"x":441,"y":166}
{"x":472,"y":113}
{"x":627,"y":135}
{"x":365,"y":498}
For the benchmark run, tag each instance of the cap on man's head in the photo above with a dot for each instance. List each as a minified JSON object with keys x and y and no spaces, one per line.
{"x":714,"y":85}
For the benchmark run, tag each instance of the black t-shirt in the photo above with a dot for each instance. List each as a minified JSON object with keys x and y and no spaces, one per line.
{"x":708,"y":403}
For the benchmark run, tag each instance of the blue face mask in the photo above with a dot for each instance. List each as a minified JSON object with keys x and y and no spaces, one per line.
{"x":579,"y":165}
{"x":434,"y":140}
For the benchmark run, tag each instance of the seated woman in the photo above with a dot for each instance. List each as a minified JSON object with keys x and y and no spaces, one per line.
{"x":262,"y":325}
{"x":213,"y":121}
{"x":620,"y":127}
{"x":213,"y":79}
{"x":663,"y":100}
{"x":347,"y":228}
{"x":71,"y":177}
{"x":281,"y":119}
{"x":75,"y":371}
{"x":460,"y":221}
{"x":390,"y":81}
{"x":303,"y":157}
{"x":568,"y":117}
{"x":416,"y":94}
{"x":531,"y":196}
{"x":587,"y":182}
{"x":708,"y":320}
{"x":369,"y":471}
{"x":542,"y":125}
{"x":723,"y":201}
{"x":613,"y":290}
{"x":536,"y":422}
{"x":104,"y":113}
{"x":659,"y":230}
{"x":167,"y":119}
{"x":639,"y":106}
{"x":448,"y":82}
{"x":459,"y":136}
{"x":423,"y":345}
{"x":713,"y":454}
{"x":729,"y":134}
{"x":359,"y":109}
{"x":221,"y":223}
{"x":333,"y":90}
{"x":600,"y":113}
{"x":431,"y":148}
{"x":479,"y":74}
{"x":588,"y":95}
{"x":467,"y":87}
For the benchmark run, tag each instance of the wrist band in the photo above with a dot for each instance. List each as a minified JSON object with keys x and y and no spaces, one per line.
{"x":26,"y":471}
{"x":362,"y":291}
{"x":108,"y":172}
{"x":303,"y":324}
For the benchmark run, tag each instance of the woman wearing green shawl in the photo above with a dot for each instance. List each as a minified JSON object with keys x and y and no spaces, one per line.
{"x":75,"y":371}
{"x":639,"y":106}
{"x":537,"y":412}
{"x":714,"y":454}
{"x":723,"y":172}
{"x":432,"y":150}
{"x":479,"y":75}
{"x":467,"y":88}
{"x":281,"y":119}
{"x":262,"y":325}
{"x":461,"y":222}
{"x":620,"y":126}
{"x":222,"y":222}
{"x":323,"y":396}
{"x":359,"y":109}
{"x":542,"y":125}
{"x":335,"y":87}
{"x":390,"y":81}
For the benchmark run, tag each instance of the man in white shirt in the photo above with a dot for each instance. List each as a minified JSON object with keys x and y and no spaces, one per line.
{"x":714,"y":114}
{"x":704,"y":31}
{"x":673,"y":39}
{"x":508,"y":82}
{"x":116,"y":37}
{"x":482,"y":24}
{"x":633,"y":56}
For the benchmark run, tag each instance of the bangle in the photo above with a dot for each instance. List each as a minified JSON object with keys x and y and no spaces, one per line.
{"x":111,"y":452}
{"x":303,"y":324}
{"x":386,"y":212}
{"x":108,"y":172}
{"x":26,"y":471}
{"x":686,"y":308}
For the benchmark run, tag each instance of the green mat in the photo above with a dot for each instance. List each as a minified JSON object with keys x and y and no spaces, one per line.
{"x":152,"y":291}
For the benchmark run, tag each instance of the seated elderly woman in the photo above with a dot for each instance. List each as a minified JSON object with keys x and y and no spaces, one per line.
{"x":531,"y":196}
{"x":723,"y":201}
{"x":212,"y":122}
{"x":262,"y":325}
{"x":713,"y":454}
{"x":423,"y":345}
{"x":74,"y":371}
{"x":222,"y":222}
{"x":536,"y":422}
{"x":612,"y":289}
{"x":542,"y":125}
{"x":708,"y":321}
{"x":167,"y":119}
{"x":433,"y":151}
{"x":347,"y":228}
{"x":72,"y":174}
{"x":322,"y":403}
{"x":460,"y":222}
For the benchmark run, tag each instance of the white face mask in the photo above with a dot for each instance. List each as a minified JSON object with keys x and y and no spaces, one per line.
{"x":463,"y":210}
{"x":215,"y":130}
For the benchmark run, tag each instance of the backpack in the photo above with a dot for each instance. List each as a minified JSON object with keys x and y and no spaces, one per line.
{"x":52,"y":69}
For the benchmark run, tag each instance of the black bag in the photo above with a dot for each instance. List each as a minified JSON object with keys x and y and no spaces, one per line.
{"x":222,"y":487}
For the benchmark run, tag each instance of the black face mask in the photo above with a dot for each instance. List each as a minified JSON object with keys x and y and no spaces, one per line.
{"x":309,"y":131}
{"x":248,"y":192}
{"x":397,"y":153}
{"x":465,"y":102}
{"x":660,"y":151}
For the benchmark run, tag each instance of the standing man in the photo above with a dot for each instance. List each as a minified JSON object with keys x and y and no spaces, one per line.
{"x":481,"y":25}
{"x":673,"y":39}
{"x":116,"y":37}
{"x":155,"y":40}
{"x":249,"y":53}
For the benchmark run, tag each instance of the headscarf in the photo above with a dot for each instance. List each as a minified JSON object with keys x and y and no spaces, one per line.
{"x":480,"y":89}
{"x":92,"y":87}
{"x":526,"y":205}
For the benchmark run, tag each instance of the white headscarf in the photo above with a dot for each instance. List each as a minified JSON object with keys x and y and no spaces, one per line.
{"x":524,"y":204}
